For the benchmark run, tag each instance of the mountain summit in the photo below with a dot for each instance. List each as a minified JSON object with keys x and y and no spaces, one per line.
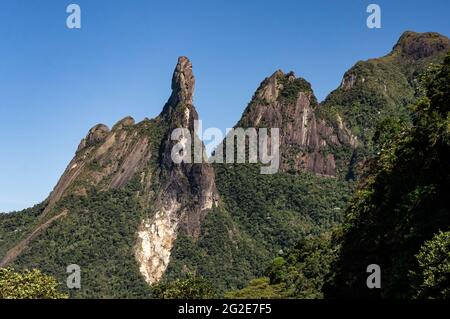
{"x":171,"y":197}
{"x":419,"y":46}
{"x":131,"y":217}
{"x":183,"y":83}
{"x":287,"y":102}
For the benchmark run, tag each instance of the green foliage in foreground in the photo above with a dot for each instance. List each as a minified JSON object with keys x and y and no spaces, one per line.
{"x":403,"y":205}
{"x":300,"y":273}
{"x":433,"y":275}
{"x":30,"y":284}
{"x":191,"y":287}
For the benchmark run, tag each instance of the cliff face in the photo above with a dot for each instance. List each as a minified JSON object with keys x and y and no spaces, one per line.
{"x":288,"y":103}
{"x":177,"y":196}
{"x":185,"y":182}
{"x":187,"y":191}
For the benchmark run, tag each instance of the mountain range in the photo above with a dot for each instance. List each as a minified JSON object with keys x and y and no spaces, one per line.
{"x":132,"y":219}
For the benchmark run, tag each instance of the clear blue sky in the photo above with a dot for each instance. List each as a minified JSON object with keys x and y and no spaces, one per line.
{"x":56,"y":83}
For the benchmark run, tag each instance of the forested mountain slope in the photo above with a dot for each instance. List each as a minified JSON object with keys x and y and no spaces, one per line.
{"x":400,"y":217}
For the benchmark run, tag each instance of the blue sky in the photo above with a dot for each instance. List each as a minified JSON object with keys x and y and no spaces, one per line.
{"x":56,"y":83}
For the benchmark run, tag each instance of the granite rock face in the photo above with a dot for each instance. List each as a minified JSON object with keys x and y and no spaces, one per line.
{"x":187,"y":191}
{"x":380,"y":90}
{"x":286,"y":102}
{"x":179,"y":196}
{"x":186,"y":182}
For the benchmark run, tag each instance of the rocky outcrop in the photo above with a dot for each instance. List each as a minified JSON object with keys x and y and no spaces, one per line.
{"x":379,"y":90}
{"x":105,"y":159}
{"x":177,"y":196}
{"x":417,"y":46}
{"x":183,"y":85}
{"x":125,"y":122}
{"x":185,"y":182}
{"x":286,"y":102}
{"x":110,"y":159}
{"x":156,"y":237}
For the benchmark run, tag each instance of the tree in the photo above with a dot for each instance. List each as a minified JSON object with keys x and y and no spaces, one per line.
{"x":191,"y":287}
{"x":30,"y":284}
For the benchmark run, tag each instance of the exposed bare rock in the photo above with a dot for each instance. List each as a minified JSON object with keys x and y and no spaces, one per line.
{"x":97,"y":134}
{"x":348,"y":81}
{"x":270,"y":90}
{"x":186,"y":182}
{"x":187,"y":191}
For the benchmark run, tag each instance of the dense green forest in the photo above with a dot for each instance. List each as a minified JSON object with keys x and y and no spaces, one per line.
{"x":261,"y":217}
{"x":15,"y":225}
{"x":381,"y":90}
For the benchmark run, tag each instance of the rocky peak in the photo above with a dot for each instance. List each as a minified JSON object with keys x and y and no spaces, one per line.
{"x":183,"y":83}
{"x":412,"y":53}
{"x":382,"y":88}
{"x":97,"y":134}
{"x":269,"y":90}
{"x":176,"y":197}
{"x":287,"y":102}
{"x":421,"y":45}
{"x":179,"y":110}
{"x":198,"y":179}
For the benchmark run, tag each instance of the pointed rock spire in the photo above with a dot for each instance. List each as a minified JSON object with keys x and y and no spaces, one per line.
{"x":183,"y":83}
{"x":181,"y":99}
